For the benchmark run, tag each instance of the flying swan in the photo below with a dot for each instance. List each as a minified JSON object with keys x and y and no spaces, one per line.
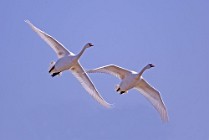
{"x":69,"y":61}
{"x":132,"y":79}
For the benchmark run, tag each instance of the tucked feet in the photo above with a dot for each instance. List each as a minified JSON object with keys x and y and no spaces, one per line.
{"x":54,"y":74}
{"x":117,"y":89}
{"x":51,"y":69}
{"x":122,"y":92}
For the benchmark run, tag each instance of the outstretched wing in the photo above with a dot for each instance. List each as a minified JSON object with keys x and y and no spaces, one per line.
{"x":154,"y":97}
{"x":53,"y":43}
{"x":85,"y":81}
{"x":111,"y":69}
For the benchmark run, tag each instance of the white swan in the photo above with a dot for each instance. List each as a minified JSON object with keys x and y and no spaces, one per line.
{"x":132,"y":79}
{"x":69,"y":61}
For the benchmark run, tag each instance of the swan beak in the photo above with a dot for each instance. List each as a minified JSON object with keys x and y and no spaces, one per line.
{"x":90,"y":44}
{"x":151,"y":65}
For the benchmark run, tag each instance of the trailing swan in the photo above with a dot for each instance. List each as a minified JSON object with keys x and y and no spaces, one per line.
{"x":132,"y":79}
{"x":69,"y":61}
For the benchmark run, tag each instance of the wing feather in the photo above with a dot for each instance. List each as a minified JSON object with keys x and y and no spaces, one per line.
{"x":114,"y":70}
{"x":85,"y":81}
{"x":53,"y":43}
{"x":154,"y":97}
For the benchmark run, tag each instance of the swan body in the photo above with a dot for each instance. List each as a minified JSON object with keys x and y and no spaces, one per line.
{"x":64,"y":63}
{"x":128,"y":83}
{"x":131,"y":79}
{"x":69,"y":61}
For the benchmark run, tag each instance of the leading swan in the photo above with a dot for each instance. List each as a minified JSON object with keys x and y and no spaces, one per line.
{"x":132,"y":79}
{"x":69,"y":61}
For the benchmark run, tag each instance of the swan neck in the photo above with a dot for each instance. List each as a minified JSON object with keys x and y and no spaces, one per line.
{"x":81,"y":52}
{"x":141,"y":72}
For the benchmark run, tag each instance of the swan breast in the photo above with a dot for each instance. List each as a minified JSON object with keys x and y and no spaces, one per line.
{"x":64,"y":63}
{"x":128,"y":82}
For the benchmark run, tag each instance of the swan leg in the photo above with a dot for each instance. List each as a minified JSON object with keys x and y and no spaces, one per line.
{"x":117,"y":89}
{"x":56,"y":73}
{"x":51,"y":69}
{"x":122,"y":92}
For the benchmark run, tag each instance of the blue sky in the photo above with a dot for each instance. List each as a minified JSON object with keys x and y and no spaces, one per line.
{"x":173,"y":35}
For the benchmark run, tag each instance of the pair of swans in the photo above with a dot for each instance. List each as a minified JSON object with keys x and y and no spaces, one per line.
{"x":129,"y":79}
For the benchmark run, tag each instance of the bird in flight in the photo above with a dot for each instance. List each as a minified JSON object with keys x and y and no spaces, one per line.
{"x":69,"y":61}
{"x":131,"y":79}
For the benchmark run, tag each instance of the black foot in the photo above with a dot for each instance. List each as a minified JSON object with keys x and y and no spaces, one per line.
{"x":54,"y":74}
{"x":122,"y":92}
{"x":51,"y":69}
{"x":118,"y":89}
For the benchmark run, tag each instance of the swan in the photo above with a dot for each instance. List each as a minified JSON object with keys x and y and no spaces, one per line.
{"x":69,"y":61}
{"x":131,"y":79}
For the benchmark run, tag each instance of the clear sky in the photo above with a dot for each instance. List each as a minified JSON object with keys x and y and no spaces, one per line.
{"x":173,"y":35}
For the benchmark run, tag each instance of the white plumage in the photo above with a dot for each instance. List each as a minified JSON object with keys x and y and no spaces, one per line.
{"x":69,"y":61}
{"x":132,"y":79}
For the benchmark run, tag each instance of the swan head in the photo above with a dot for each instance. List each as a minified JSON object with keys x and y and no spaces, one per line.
{"x":88,"y":45}
{"x":142,"y":71}
{"x":150,"y":66}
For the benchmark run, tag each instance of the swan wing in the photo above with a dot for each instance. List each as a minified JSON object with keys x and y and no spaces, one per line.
{"x":154,"y":97}
{"x":53,"y":43}
{"x":85,"y":81}
{"x":111,"y":69}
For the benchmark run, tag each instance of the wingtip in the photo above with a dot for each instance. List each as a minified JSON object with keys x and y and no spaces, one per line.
{"x":109,"y":106}
{"x":165,"y":118}
{"x":31,"y":25}
{"x":27,"y":21}
{"x":106,"y":104}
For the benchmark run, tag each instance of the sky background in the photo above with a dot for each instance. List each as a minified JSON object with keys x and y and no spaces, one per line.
{"x":173,"y":35}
